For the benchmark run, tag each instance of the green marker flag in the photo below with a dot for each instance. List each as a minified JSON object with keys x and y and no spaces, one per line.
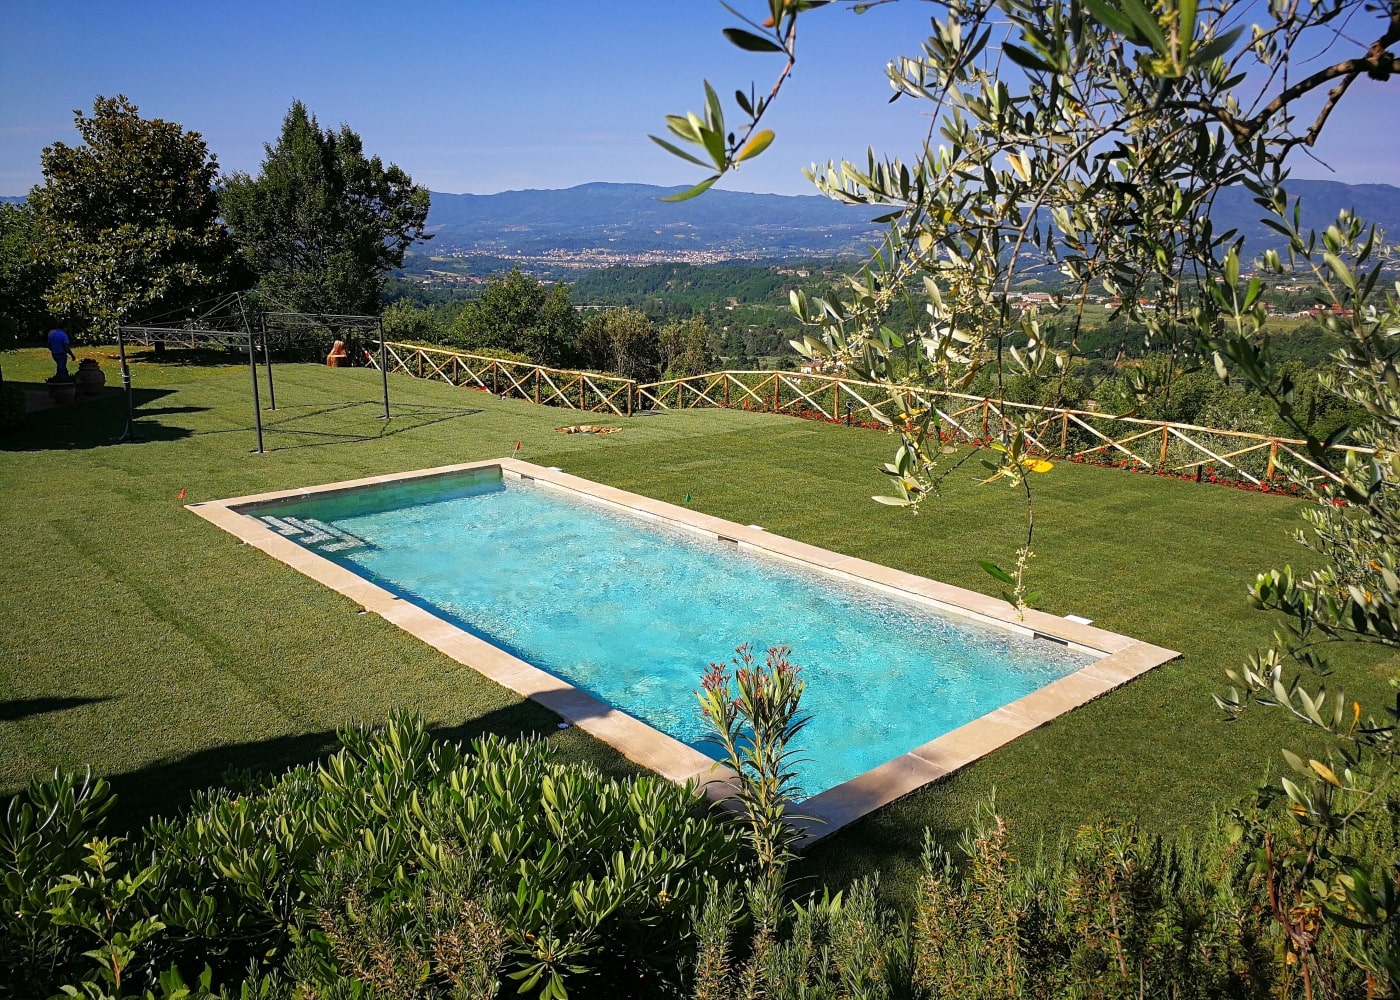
{"x":687,"y":498}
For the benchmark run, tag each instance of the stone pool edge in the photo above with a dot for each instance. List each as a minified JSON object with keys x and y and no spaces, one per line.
{"x":1122,"y":659}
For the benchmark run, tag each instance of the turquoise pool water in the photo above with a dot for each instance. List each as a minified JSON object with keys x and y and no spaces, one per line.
{"x":632,"y":612}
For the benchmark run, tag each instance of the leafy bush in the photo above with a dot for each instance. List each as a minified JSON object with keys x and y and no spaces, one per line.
{"x":11,"y":406}
{"x":417,"y":867}
{"x":501,"y":354}
{"x":406,"y":867}
{"x":42,"y":833}
{"x":1110,"y":915}
{"x":842,"y":946}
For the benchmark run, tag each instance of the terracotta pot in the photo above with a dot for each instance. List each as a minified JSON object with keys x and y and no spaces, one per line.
{"x":90,"y":378}
{"x":337,"y":361}
{"x":63,"y":392}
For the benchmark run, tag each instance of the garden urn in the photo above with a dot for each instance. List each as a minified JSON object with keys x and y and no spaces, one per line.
{"x":63,"y":390}
{"x":90,"y":378}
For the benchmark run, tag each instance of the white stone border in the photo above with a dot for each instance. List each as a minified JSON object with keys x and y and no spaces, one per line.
{"x":1121,"y":659}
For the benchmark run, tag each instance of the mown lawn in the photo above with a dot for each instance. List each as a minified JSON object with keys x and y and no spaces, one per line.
{"x":138,"y":639}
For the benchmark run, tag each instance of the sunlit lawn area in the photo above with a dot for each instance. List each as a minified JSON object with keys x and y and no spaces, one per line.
{"x":142,"y":641}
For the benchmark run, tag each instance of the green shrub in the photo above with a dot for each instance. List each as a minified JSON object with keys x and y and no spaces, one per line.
{"x":42,"y":835}
{"x":501,"y":354}
{"x":417,"y":867}
{"x":11,"y":406}
{"x":1110,"y":915}
{"x":407,"y":867}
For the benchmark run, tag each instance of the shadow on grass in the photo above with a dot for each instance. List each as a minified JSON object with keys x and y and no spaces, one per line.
{"x":871,"y":844}
{"x":164,"y":788}
{"x":24,"y":708}
{"x":404,"y":417}
{"x":93,"y":423}
{"x":185,"y":357}
{"x":161,"y":411}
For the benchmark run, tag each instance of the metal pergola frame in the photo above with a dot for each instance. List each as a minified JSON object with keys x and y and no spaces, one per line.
{"x":248,"y":338}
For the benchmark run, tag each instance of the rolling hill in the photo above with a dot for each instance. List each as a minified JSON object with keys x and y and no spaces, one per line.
{"x":629,"y":219}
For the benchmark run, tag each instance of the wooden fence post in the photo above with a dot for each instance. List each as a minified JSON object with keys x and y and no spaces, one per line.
{"x":537,"y":385}
{"x":726,"y":390}
{"x":1163,"y":459}
{"x":777,"y":399}
{"x":1273,"y":456}
{"x":582,"y":387}
{"x":986,"y":415}
{"x":1064,"y":432}
{"x":495,"y":387}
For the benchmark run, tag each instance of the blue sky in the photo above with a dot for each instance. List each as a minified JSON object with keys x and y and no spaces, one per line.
{"x":489,"y":95}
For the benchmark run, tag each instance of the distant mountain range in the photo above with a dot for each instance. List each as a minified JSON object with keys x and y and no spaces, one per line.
{"x":630,"y":219}
{"x":627,"y":219}
{"x":1322,"y":200}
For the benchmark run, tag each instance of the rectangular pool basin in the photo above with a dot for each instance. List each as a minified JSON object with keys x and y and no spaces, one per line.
{"x":606,"y":607}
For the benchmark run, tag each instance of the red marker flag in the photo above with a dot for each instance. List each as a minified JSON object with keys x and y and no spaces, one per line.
{"x":182,"y":494}
{"x":517,"y":446}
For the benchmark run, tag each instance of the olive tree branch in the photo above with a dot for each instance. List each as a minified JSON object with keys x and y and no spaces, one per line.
{"x":1379,"y":63}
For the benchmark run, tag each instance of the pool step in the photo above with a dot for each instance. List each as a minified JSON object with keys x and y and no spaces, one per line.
{"x":314,"y":534}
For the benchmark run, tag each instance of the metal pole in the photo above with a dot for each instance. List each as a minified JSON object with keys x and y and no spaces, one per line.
{"x":383,"y":368}
{"x":267,"y":360}
{"x":253,"y":370}
{"x":129,"y":432}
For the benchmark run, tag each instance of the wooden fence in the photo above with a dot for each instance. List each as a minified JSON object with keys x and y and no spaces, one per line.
{"x":1077,"y":435}
{"x":574,"y":390}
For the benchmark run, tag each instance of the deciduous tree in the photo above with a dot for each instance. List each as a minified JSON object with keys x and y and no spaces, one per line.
{"x":323,"y":224}
{"x":624,"y":342}
{"x":685,"y":349}
{"x":1091,"y":136}
{"x":25,"y":275}
{"x":403,"y":320}
{"x":518,"y":313}
{"x":1087,"y":136}
{"x":129,"y":220}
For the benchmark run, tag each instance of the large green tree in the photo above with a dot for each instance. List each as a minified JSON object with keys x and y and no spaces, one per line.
{"x":685,"y":348}
{"x":129,"y":220}
{"x":322,"y":224}
{"x":25,"y":275}
{"x":520,"y":314}
{"x":624,"y":342}
{"x":1091,"y":137}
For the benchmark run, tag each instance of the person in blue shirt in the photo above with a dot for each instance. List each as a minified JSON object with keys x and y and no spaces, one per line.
{"x":61,"y":351}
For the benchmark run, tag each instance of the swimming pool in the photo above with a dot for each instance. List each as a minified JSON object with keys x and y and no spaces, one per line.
{"x":607,"y":607}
